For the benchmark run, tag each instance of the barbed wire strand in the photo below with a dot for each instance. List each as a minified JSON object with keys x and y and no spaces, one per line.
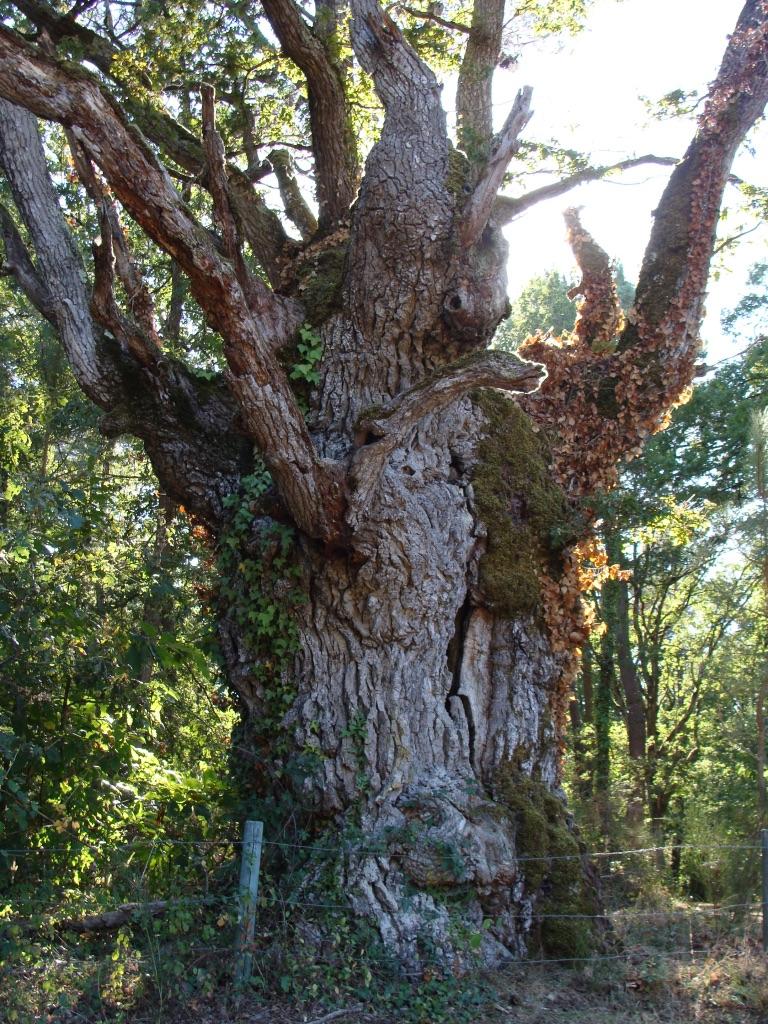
{"x":287,"y":903}
{"x":31,"y":901}
{"x":290,"y":904}
{"x":374,"y":851}
{"x":645,"y":955}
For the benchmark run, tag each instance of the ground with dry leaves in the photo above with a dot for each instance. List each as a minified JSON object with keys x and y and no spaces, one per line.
{"x":727,"y":986}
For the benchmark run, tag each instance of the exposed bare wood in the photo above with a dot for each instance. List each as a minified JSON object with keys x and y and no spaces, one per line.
{"x":502,"y":149}
{"x":336,"y":169}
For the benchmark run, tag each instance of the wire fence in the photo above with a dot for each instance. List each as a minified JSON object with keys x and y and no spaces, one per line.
{"x":644,"y":956}
{"x":351,"y":846}
{"x":52,"y":908}
{"x":291,"y":903}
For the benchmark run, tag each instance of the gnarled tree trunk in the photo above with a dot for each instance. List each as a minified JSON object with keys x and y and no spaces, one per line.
{"x":401,"y":566}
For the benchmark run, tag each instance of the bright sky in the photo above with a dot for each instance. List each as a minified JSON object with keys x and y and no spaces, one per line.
{"x":588,"y":95}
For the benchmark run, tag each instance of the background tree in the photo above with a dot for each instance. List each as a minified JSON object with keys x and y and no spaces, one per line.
{"x":679,"y":643}
{"x":544,"y":305}
{"x":109,"y":715}
{"x":401,"y":554}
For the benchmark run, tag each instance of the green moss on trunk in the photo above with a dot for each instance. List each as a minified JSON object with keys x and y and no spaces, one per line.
{"x":320,"y":281}
{"x":527,"y":516}
{"x":557,"y":870}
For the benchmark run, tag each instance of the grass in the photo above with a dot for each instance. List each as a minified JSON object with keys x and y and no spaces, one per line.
{"x":654,"y":982}
{"x":728,"y":985}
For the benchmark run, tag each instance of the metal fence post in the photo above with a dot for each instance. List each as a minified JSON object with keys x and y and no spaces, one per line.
{"x":764,"y":845}
{"x":247,"y":897}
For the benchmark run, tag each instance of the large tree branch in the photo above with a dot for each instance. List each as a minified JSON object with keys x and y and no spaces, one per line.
{"x":503,"y":148}
{"x":494,"y":369}
{"x":189,"y":428}
{"x":671,"y":285}
{"x":403,"y":81}
{"x":294,"y":204}
{"x":380,"y":432}
{"x":59,"y":266}
{"x":507,"y":208}
{"x":217,"y":178}
{"x":404,"y":218}
{"x":474,"y":108}
{"x":59,"y":26}
{"x":134,"y":336}
{"x":110,"y":920}
{"x":333,"y":142}
{"x":611,"y":403}
{"x":261,"y":226}
{"x":18,"y":264}
{"x":115,"y":251}
{"x":600,"y":314}
{"x":435,"y":18}
{"x":250,"y":325}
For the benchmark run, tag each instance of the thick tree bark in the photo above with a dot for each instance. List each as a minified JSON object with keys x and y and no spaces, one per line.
{"x":427,"y":590}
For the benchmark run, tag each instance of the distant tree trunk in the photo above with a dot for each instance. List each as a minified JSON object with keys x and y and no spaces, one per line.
{"x":581,"y":721}
{"x":631,"y":693}
{"x":658,"y":805}
{"x":603,"y":706}
{"x":158,"y":608}
{"x":635,"y":704}
{"x":762,"y":789}
{"x":760,"y":453}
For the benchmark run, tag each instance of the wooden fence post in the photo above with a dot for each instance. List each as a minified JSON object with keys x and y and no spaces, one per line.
{"x":247,"y":897}
{"x":764,"y":844}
